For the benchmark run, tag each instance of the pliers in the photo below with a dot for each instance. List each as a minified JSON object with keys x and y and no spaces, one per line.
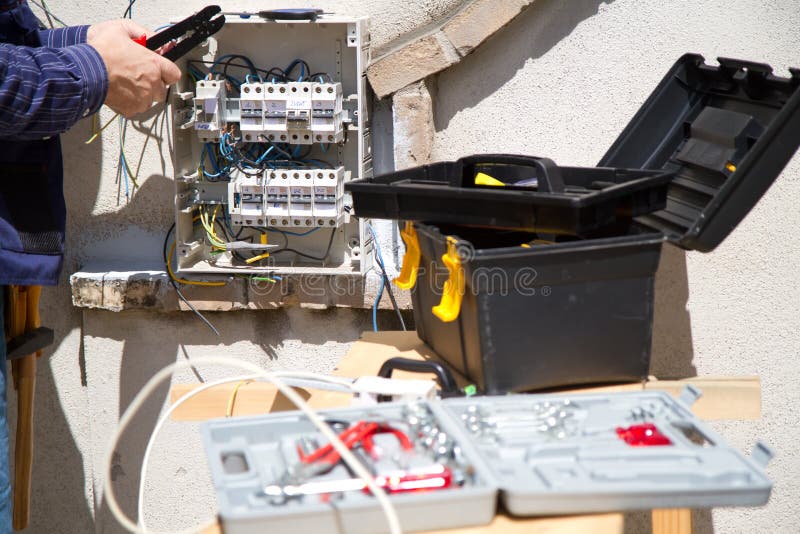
{"x":326,"y":457}
{"x":187,"y":33}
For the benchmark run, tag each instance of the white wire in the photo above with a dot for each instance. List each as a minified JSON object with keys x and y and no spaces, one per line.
{"x":347,"y":456}
{"x":189,"y":395}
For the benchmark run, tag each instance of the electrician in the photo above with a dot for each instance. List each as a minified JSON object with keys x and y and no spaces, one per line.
{"x":50,"y":79}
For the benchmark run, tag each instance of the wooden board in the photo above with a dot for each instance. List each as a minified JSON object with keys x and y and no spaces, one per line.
{"x":594,"y":524}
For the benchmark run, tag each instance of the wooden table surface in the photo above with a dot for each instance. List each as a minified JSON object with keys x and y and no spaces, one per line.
{"x":723,"y":398}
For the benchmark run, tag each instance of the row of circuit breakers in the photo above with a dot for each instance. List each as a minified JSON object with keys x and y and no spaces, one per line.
{"x":298,"y":113}
{"x":288,"y":197}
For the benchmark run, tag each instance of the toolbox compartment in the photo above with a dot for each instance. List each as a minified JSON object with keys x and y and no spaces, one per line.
{"x":592,"y":470}
{"x":514,"y":315}
{"x":579,"y":464}
{"x":544,"y":316}
{"x":558,"y":200}
{"x":264,"y":443}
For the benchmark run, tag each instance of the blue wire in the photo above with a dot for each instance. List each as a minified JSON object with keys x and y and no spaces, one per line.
{"x":383,"y":284}
{"x":264,"y":155}
{"x":122,"y":160}
{"x":207,"y":151}
{"x":164,"y":27}
{"x":375,"y":306}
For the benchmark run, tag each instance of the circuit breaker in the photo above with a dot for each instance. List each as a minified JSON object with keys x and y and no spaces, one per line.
{"x":270,"y":120}
{"x":210,"y":101}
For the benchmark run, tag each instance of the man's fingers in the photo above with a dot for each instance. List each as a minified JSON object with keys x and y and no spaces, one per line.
{"x":134,"y":29}
{"x":159,"y":93}
{"x":170,"y":73}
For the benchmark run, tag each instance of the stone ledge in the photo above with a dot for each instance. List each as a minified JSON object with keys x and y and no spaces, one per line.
{"x":478,"y":20}
{"x":442,"y":46}
{"x":102,"y":287}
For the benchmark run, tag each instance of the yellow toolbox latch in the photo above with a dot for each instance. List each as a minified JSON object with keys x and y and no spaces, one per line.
{"x":408,"y":274}
{"x":450,"y":305}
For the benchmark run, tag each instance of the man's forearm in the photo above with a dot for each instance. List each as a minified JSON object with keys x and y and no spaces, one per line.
{"x":61,"y":37}
{"x":44,"y":91}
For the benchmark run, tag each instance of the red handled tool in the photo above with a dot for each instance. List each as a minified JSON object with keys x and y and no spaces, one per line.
{"x":325,"y":458}
{"x":187,"y":33}
{"x":434,"y":477}
{"x":643,"y":435}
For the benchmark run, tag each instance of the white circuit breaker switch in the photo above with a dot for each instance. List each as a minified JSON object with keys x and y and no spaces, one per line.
{"x":278,"y":198}
{"x":298,"y":112}
{"x":251,"y":110}
{"x":275,"y":111}
{"x":301,"y":207}
{"x":246,"y":202}
{"x":303,"y":112}
{"x":328,"y":192}
{"x":209,"y":109}
{"x":326,"y":113}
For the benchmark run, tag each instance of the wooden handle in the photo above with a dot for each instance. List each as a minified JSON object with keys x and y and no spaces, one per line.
{"x":23,"y":315}
{"x":23,"y":451}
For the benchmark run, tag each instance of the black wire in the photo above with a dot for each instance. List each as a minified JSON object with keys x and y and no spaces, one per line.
{"x":226,"y":64}
{"x":127,"y":13}
{"x":230,"y":63}
{"x":175,"y":285}
{"x":325,"y":74}
{"x":303,"y":254}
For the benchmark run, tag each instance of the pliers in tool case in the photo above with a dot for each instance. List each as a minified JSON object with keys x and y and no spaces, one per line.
{"x":186,"y":34}
{"x":325,"y":458}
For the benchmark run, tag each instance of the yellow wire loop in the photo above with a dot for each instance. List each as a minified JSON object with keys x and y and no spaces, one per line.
{"x":232,"y":399}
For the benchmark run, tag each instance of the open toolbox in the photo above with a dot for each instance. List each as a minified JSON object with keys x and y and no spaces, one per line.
{"x":517,"y":311}
{"x":509,"y":191}
{"x":540,"y":454}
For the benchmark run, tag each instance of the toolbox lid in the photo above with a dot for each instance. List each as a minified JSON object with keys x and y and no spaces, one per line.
{"x":727,"y":132}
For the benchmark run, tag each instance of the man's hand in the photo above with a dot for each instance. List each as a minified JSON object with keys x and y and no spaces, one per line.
{"x":136,"y":76}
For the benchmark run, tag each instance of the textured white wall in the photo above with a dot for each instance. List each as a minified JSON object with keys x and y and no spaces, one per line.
{"x":561,"y":81}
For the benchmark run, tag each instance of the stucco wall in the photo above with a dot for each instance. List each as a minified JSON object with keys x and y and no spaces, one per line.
{"x":561,"y":81}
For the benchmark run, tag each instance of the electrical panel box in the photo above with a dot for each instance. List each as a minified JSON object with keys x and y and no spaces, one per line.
{"x":269,"y":122}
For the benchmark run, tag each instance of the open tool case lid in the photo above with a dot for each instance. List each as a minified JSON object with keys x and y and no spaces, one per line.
{"x":621,"y":451}
{"x":511,"y":191}
{"x":726,"y":132}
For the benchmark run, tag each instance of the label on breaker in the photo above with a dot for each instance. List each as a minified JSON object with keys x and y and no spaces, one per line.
{"x":276,"y":106}
{"x":299,"y":103}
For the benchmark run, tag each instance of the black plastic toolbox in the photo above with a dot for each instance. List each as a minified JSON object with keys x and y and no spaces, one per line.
{"x":536,"y":194}
{"x":516,"y":314}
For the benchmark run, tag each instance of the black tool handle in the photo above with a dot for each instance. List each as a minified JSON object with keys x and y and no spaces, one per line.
{"x":29,"y":343}
{"x":445,"y":378}
{"x":546,"y":170}
{"x":309,"y":14}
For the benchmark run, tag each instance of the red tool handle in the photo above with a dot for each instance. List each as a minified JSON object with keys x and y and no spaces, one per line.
{"x":440,"y":478}
{"x":142,"y":40}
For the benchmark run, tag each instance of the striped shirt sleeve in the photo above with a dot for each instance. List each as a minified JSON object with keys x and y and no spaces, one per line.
{"x":44,"y":91}
{"x":61,"y":37}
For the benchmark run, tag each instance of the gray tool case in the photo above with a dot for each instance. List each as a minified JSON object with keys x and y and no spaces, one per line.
{"x":540,"y":454}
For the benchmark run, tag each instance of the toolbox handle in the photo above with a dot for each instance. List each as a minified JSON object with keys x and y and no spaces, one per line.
{"x":547,"y":172}
{"x":407,"y":278}
{"x":447,"y":383}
